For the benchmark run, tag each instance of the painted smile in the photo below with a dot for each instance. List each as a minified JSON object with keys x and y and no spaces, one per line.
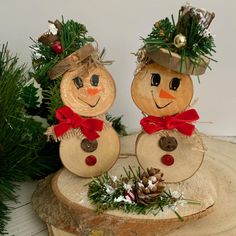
{"x":160,"y":107}
{"x":92,"y":106}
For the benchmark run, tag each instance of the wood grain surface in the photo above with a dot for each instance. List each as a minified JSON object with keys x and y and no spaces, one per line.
{"x":188,"y":155}
{"x":74,"y":157}
{"x":88,"y":100}
{"x":153,"y":93}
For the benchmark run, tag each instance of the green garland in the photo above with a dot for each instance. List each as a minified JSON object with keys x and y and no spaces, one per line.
{"x":108,"y":193}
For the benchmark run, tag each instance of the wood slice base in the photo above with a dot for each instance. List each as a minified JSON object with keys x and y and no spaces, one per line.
{"x":72,"y":191}
{"x":219,"y":167}
{"x":53,"y":231}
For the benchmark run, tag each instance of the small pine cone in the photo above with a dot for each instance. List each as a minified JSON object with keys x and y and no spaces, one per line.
{"x":47,"y":38}
{"x":150,"y":186}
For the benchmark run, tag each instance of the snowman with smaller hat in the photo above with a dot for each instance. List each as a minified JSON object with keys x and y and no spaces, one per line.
{"x":89,"y":146}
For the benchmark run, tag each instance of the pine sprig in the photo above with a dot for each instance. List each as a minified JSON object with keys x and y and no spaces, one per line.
{"x":52,"y":100}
{"x":30,"y":96}
{"x":73,"y":36}
{"x":108,"y":193}
{"x":4,"y":211}
{"x":117,"y":124}
{"x":161,"y":36}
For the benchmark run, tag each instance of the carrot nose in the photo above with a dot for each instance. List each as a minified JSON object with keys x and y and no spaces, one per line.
{"x":164,"y":94}
{"x":93,"y":91}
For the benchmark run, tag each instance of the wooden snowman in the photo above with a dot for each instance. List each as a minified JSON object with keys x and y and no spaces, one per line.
{"x":169,"y":140}
{"x":89,"y":146}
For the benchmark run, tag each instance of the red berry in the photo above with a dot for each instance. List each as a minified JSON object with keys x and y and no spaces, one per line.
{"x":167,"y":160}
{"x":57,"y":47}
{"x":91,"y":160}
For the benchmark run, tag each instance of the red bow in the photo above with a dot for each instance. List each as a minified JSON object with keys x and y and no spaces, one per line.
{"x":152,"y":124}
{"x":68,"y":119}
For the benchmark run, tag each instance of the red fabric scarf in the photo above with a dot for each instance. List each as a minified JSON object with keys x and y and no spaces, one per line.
{"x":70,"y":120}
{"x":181,"y":122}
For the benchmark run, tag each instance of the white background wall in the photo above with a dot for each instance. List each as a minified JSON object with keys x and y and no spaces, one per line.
{"x":118,"y":25}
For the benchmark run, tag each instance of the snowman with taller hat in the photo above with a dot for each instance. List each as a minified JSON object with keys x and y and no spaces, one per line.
{"x":162,"y":89}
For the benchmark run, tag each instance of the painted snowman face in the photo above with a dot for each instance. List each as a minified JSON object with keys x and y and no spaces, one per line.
{"x":91,"y":95}
{"x":159,"y":91}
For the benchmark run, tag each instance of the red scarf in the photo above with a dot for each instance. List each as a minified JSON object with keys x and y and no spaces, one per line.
{"x":181,"y":122}
{"x":70,"y":120}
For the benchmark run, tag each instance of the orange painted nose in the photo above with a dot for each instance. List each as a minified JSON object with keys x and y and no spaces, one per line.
{"x":93,"y":91}
{"x":164,"y":94}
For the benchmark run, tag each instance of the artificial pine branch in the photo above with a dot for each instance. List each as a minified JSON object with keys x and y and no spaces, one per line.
{"x":21,"y":137}
{"x":117,"y":124}
{"x":4,"y":211}
{"x":52,"y":100}
{"x":30,"y":97}
{"x":109,"y":192}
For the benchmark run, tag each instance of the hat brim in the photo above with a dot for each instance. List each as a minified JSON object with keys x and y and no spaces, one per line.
{"x":173,"y":61}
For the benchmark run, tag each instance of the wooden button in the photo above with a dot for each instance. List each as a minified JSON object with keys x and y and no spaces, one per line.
{"x":168,"y":143}
{"x":91,"y":160}
{"x":167,"y":160}
{"x":89,"y":146}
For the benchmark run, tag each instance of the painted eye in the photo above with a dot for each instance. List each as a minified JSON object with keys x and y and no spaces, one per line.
{"x":174,"y":83}
{"x":94,"y":80}
{"x":78,"y":82}
{"x":155,"y":79}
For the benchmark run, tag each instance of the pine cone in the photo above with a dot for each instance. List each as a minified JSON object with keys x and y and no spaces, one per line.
{"x":49,"y":38}
{"x":150,"y":186}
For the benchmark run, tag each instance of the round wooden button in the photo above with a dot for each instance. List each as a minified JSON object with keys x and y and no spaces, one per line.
{"x":89,"y":146}
{"x":91,"y":160}
{"x":167,"y":160}
{"x":168,"y":143}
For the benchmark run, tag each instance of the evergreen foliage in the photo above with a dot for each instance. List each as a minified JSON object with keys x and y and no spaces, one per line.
{"x":117,"y":124}
{"x":21,"y":137}
{"x":30,"y":97}
{"x":53,"y":100}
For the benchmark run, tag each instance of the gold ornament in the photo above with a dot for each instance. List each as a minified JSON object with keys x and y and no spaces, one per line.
{"x":180,"y":41}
